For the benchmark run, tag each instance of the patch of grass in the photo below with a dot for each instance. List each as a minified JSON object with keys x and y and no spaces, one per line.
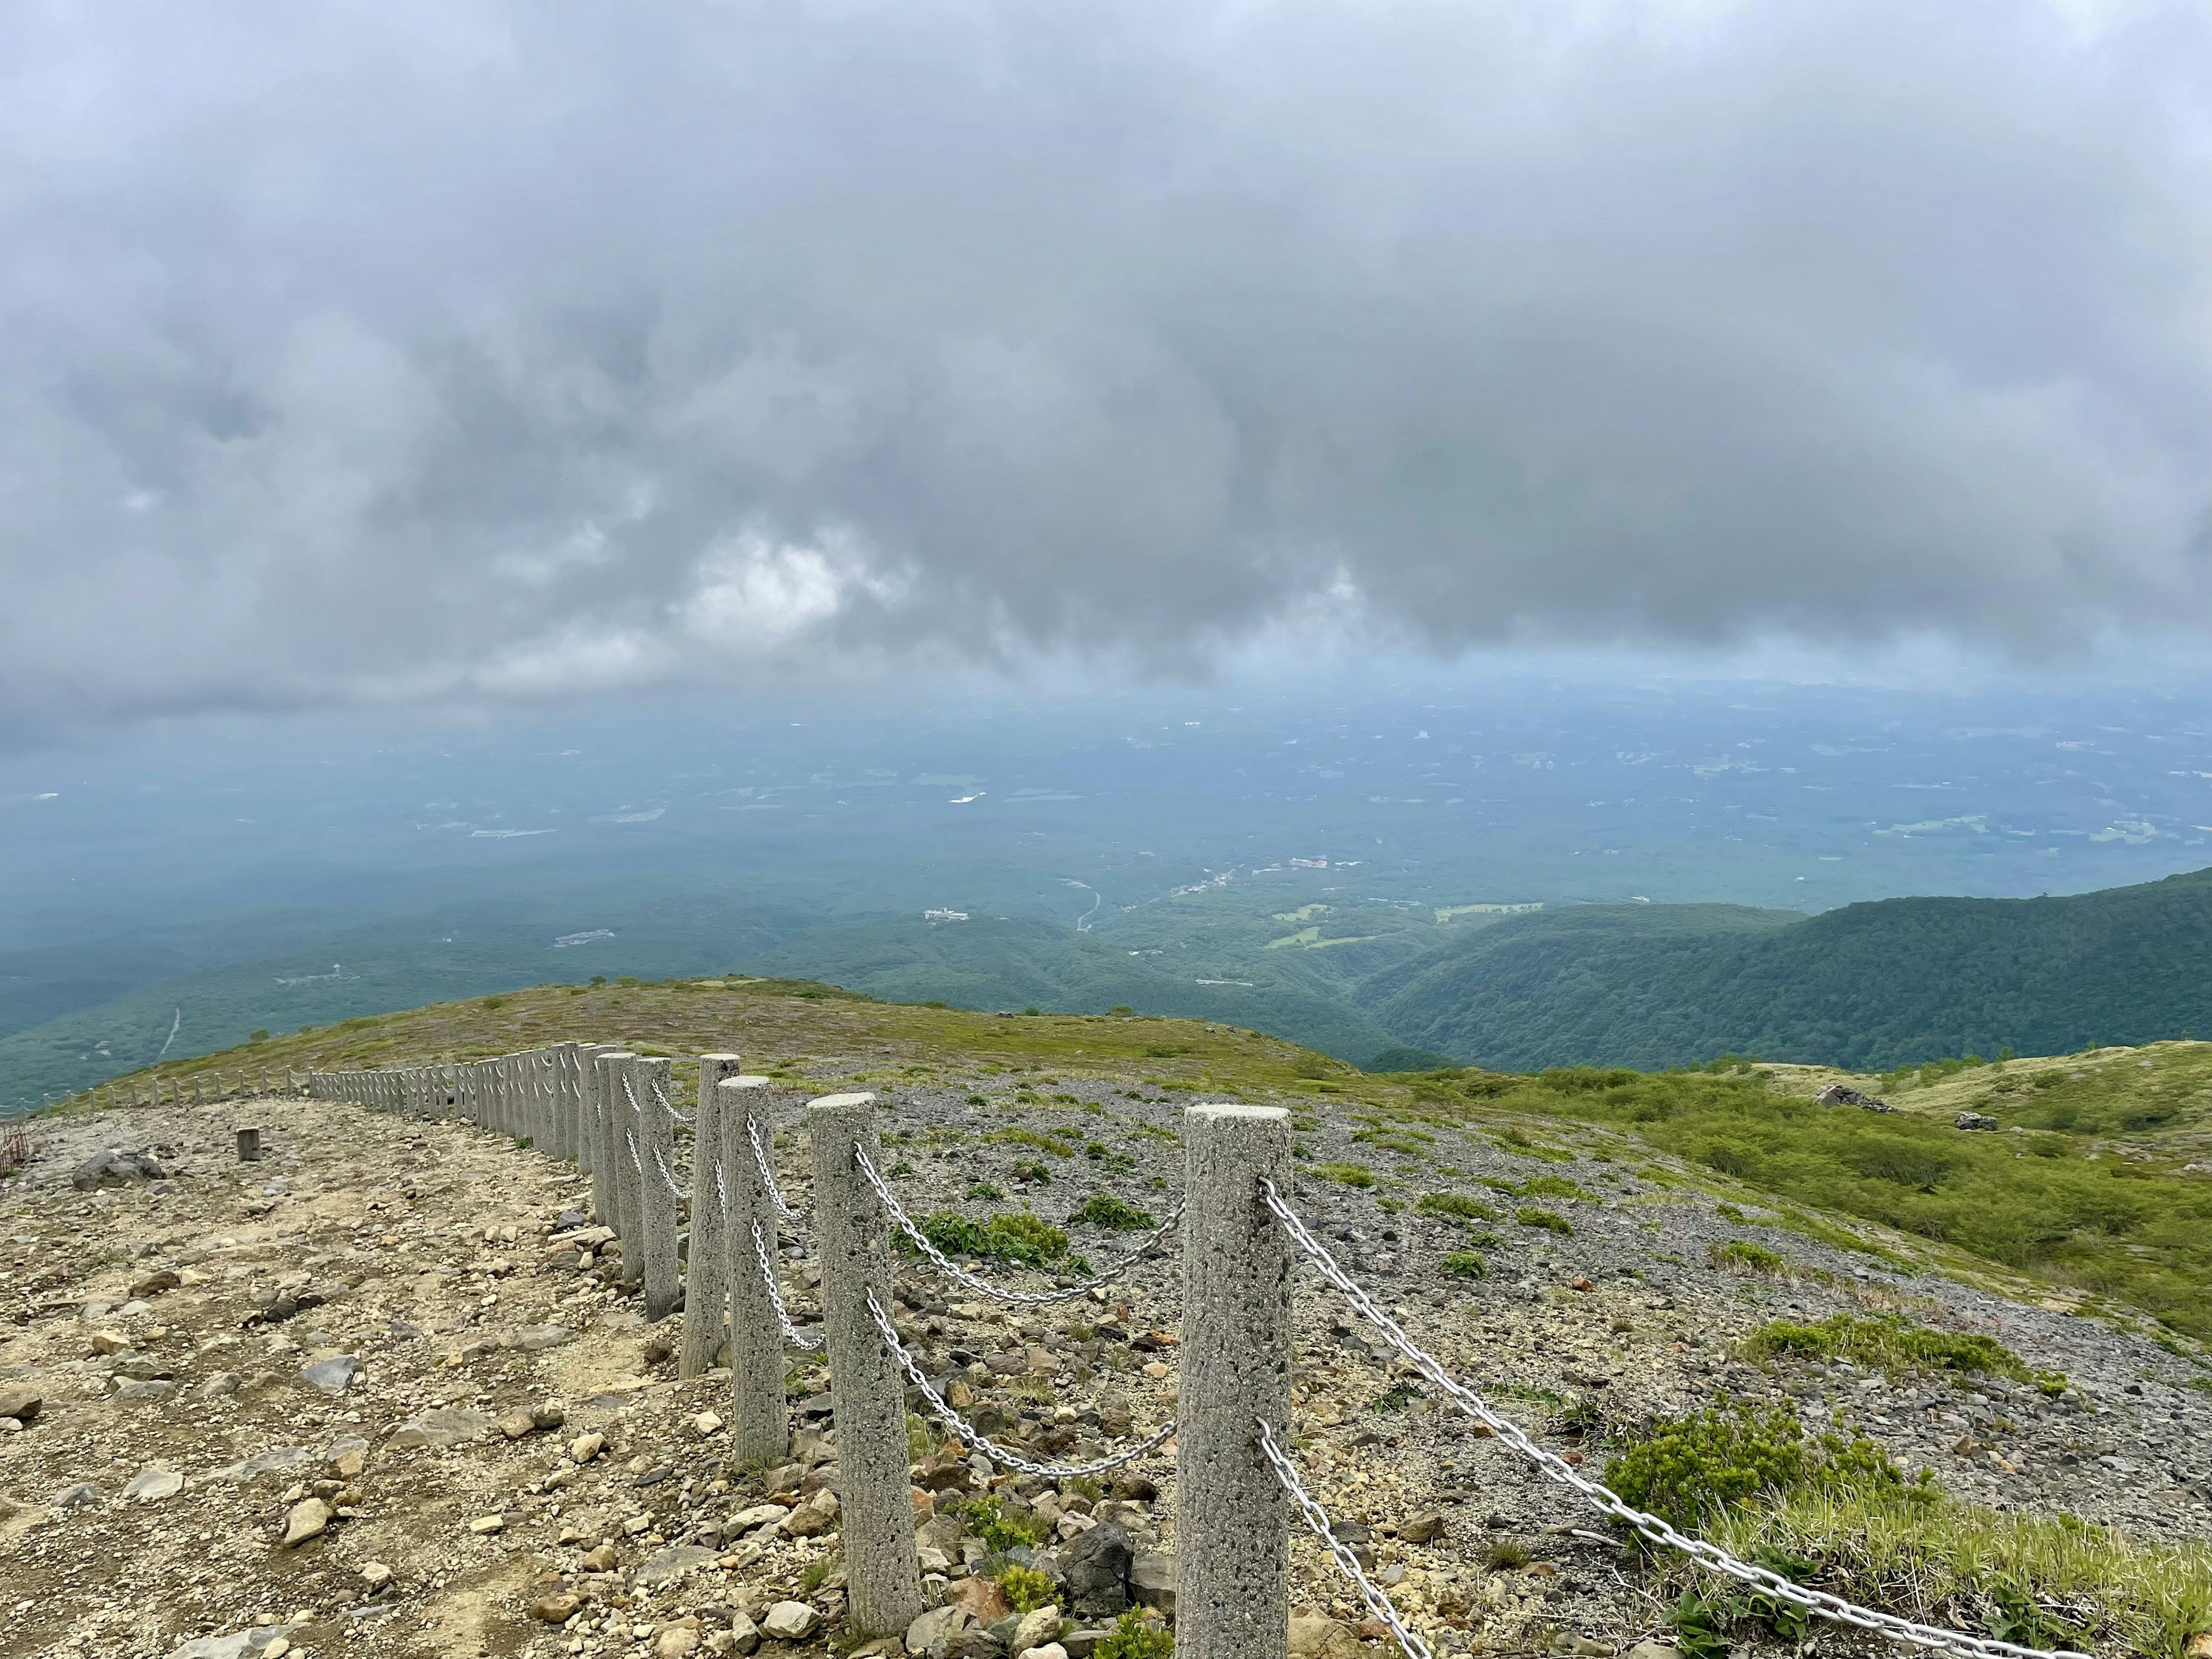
{"x":1345,"y":1175}
{"x":984,"y":1192}
{"x":1752,"y":1258}
{"x":1029,"y":1169}
{"x":2109,"y":1227}
{"x":1104,"y":1210}
{"x":1506,"y":1555}
{"x":1014,"y":1136}
{"x":2041,"y":1580}
{"x":1529,"y":1215}
{"x":1464,"y":1264}
{"x":1893,"y":1345}
{"x":1455,"y":1207}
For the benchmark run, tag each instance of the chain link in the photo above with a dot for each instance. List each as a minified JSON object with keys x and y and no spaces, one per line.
{"x":1317,"y":1518}
{"x":768,"y":1176}
{"x":1710,"y":1555}
{"x":634,"y":1157}
{"x":660,"y":1095}
{"x":722,"y":1192}
{"x":984,"y":1287}
{"x":776,"y":1295}
{"x":669,"y":1179}
{"x":976,"y":1436}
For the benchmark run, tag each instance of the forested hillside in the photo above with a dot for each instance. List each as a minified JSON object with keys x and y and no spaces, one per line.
{"x":1867,"y":987}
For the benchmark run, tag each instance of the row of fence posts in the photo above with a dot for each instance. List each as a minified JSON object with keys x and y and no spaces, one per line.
{"x":609,"y":1110}
{"x":194,"y":1090}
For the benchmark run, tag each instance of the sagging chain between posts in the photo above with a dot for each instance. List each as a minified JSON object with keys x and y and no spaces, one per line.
{"x":1317,"y":1518}
{"x":669,"y":1179}
{"x":768,"y":1176}
{"x":791,"y":1333}
{"x":983,"y":1287}
{"x":1609,"y":1503}
{"x":972,"y":1435}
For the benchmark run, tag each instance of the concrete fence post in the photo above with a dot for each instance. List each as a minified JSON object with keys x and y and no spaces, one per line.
{"x":1232,"y":1517}
{"x":867,"y":1391}
{"x":249,"y":1146}
{"x":614,"y":1153}
{"x":760,"y":1416}
{"x":656,"y":1147}
{"x":566,"y":1118}
{"x":706,"y":1288}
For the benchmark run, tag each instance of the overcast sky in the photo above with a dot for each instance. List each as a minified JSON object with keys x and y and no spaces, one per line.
{"x":469,"y":350}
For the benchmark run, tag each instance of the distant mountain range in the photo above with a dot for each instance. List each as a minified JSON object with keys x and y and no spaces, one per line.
{"x":1385,"y":984}
{"x":1870,"y":986}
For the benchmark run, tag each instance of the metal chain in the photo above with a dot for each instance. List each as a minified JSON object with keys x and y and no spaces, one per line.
{"x":631,"y":1094}
{"x":984,"y":1287}
{"x":722,"y":1192}
{"x":662,"y":1098}
{"x":768,"y":1176}
{"x":1317,"y":1518}
{"x":634,"y":1159}
{"x":976,"y":1436}
{"x":776,"y":1295}
{"x":1602,"y":1498}
{"x":671,"y":1180}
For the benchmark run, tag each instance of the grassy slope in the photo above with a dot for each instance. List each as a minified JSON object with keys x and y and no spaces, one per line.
{"x":2093,"y":1205}
{"x":1624,"y":982}
{"x":1871,"y":985}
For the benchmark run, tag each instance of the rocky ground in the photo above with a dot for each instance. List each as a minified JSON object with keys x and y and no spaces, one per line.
{"x":378,"y":1393}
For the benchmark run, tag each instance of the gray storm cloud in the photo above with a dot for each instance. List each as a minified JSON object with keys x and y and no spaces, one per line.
{"x":474,"y":348}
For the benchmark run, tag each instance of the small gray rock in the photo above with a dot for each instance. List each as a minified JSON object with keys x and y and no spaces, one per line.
{"x":333,"y":1376}
{"x":790,"y":1621}
{"x":76,"y":1496}
{"x":674,"y":1562}
{"x":151,"y":1485}
{"x":932,"y":1632}
{"x":535,"y":1338}
{"x":145,"y":1393}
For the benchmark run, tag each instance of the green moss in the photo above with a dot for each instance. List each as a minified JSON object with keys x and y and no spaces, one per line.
{"x":1345,"y":1175}
{"x":1529,"y":1215}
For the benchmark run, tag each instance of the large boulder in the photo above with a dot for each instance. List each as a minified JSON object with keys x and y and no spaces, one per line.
{"x":1097,"y":1570}
{"x":1837,"y":1094}
{"x":117,"y":1166}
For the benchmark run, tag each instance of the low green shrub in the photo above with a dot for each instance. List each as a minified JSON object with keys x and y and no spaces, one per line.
{"x":1134,"y":1636}
{"x":987,"y":1519}
{"x":1529,"y":1215}
{"x":1686,"y":1470}
{"x":1104,"y":1210}
{"x":1465,"y":1264}
{"x":1018,"y":1237}
{"x":1027,"y":1589}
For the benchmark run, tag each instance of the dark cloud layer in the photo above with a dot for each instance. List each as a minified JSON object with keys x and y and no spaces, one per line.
{"x":476,"y":349}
